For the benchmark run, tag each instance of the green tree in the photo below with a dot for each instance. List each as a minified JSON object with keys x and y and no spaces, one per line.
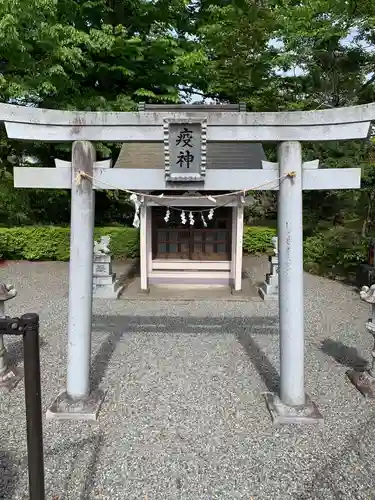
{"x":233,"y":59}
{"x":107,"y":54}
{"x":87,"y":55}
{"x":328,"y":42}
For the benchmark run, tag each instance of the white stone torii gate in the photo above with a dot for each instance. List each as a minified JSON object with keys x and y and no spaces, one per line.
{"x":289,"y":129}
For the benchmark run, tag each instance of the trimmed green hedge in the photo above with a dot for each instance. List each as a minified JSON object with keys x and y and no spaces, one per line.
{"x":336,"y":251}
{"x":257,"y":239}
{"x":52,"y":243}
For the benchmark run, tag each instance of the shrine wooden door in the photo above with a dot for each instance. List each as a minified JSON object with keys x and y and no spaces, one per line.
{"x":174,"y":240}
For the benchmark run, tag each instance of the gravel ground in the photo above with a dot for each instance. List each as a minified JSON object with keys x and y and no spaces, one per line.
{"x":184,"y":416}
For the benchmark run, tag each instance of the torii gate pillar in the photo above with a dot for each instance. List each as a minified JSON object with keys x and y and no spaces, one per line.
{"x":290,"y":229}
{"x":77,"y":401}
{"x":292,"y":405}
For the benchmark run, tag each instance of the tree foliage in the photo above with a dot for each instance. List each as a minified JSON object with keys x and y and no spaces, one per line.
{"x":112,"y":54}
{"x":89,"y":55}
{"x":291,"y":55}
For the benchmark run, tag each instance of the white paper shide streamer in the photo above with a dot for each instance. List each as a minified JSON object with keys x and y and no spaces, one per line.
{"x":137,"y":202}
{"x":203,"y":220}
{"x":191,"y":219}
{"x":134,"y":199}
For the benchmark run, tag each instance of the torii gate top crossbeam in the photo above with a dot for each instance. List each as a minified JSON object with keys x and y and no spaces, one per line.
{"x":31,"y":123}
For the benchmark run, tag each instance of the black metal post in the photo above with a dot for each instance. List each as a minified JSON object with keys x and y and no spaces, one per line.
{"x":28,"y":326}
{"x":33,"y":406}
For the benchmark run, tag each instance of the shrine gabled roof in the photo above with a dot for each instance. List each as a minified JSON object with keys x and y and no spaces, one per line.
{"x":220,"y":155}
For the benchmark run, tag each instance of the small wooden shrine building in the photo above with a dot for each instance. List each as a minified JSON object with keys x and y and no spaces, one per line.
{"x":191,"y":232}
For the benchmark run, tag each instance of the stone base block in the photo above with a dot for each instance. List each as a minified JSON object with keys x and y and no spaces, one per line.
{"x":9,"y":379}
{"x":268,"y":291}
{"x":282,"y":414}
{"x":104,"y":257}
{"x":104,"y":280}
{"x":105,"y":287}
{"x":363,"y":381}
{"x":66,"y":408}
{"x":105,"y":292}
{"x":102,"y":269}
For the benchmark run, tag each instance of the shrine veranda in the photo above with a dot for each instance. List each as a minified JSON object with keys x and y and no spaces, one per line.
{"x":191,"y":183}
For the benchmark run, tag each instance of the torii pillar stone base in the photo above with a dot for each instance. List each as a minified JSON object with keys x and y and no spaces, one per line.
{"x":77,"y":402}
{"x":292,"y":405}
{"x":281,"y":414}
{"x":67,"y":408}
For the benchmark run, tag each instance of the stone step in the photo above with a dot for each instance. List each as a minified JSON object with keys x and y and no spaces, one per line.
{"x":104,"y":280}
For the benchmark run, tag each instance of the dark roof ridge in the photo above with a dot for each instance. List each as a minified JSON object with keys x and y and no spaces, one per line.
{"x":240,"y":107}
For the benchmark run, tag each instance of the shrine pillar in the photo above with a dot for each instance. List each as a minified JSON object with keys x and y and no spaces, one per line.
{"x":238,"y":249}
{"x":144,"y":243}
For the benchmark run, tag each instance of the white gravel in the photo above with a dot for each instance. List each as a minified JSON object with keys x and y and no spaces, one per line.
{"x":184,"y":417}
